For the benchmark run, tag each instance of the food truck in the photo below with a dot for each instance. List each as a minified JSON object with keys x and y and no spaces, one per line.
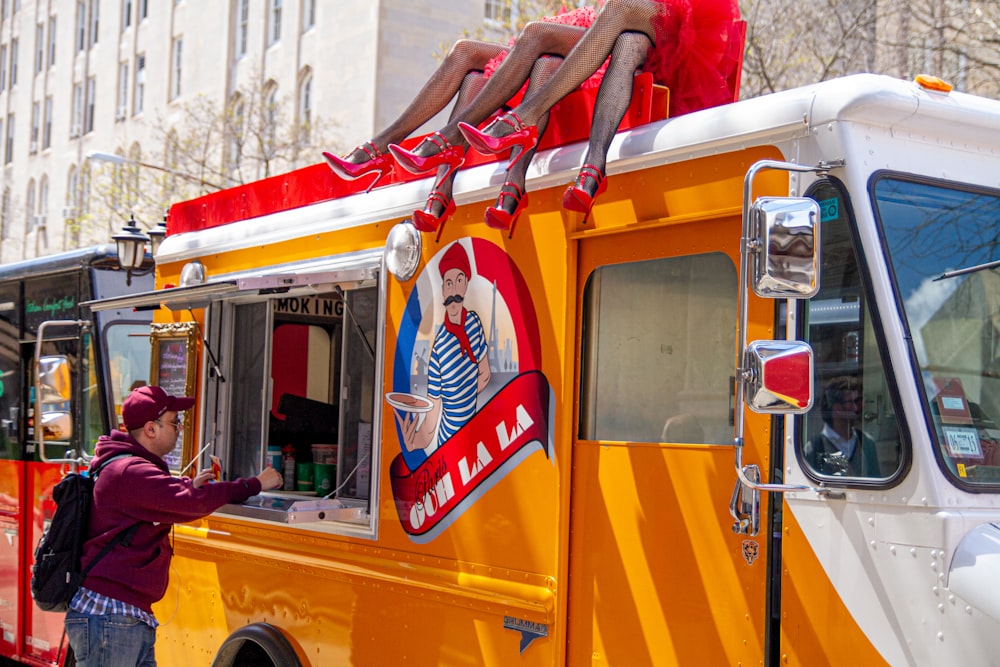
{"x":73,"y":367}
{"x":745,"y":412}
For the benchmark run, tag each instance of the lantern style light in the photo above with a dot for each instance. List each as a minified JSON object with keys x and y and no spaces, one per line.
{"x":156,"y":236}
{"x":131,"y":246}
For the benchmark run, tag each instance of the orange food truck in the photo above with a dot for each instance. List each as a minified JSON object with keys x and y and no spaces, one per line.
{"x":743,"y":414}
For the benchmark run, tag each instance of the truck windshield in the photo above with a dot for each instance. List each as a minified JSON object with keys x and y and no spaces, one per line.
{"x":941,"y":239}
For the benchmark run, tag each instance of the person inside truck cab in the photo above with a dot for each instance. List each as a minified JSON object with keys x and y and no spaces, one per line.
{"x":842,"y":449}
{"x":458,"y":368}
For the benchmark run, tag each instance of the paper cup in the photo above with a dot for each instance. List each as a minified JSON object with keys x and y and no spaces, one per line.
{"x":304,"y":476}
{"x":326,"y":477}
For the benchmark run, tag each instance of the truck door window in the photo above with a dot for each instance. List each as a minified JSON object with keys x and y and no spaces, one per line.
{"x":659,"y":346}
{"x":943,"y":249}
{"x":852,"y":431}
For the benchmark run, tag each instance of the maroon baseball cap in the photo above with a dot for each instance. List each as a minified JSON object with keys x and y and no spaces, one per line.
{"x":146,"y":404}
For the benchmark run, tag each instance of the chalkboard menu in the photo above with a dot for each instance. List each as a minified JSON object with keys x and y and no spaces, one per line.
{"x":173,"y":369}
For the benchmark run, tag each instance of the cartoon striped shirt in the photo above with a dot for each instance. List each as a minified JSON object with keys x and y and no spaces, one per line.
{"x":453,"y":377}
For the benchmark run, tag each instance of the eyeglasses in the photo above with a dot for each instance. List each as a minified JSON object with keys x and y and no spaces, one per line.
{"x":177,"y":423}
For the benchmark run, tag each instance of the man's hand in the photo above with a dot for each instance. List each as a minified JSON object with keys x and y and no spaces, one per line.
{"x":269,"y":479}
{"x":202,"y":478}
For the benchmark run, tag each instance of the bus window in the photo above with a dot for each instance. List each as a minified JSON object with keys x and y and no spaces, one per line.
{"x":303,"y":384}
{"x":10,"y":376}
{"x":658,"y":350}
{"x":126,"y":346}
{"x":852,"y":431}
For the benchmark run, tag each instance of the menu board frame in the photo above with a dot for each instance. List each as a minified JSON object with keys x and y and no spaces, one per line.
{"x":173,"y":369}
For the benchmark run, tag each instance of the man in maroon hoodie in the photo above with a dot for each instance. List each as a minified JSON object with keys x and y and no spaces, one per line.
{"x":110,"y":620}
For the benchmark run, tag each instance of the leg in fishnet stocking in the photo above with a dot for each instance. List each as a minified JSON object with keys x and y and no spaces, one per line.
{"x":613,"y":99}
{"x":466,"y":57}
{"x":615,"y":18}
{"x":471,"y":86}
{"x":538,"y":38}
{"x":544,"y":68}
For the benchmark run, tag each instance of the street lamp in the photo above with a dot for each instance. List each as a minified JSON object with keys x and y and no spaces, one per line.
{"x":99,"y":156}
{"x":131,"y":243}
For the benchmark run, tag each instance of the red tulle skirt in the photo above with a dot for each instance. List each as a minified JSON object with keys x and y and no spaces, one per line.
{"x":697,"y":50}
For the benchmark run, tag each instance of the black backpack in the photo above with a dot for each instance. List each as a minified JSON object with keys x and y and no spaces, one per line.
{"x":56,"y":574}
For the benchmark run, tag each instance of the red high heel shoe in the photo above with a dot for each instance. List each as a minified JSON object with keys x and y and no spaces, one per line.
{"x":576,"y":198}
{"x":498,"y":218}
{"x":425,"y":221}
{"x":453,"y":156}
{"x":378,"y":163}
{"x":525,"y":136}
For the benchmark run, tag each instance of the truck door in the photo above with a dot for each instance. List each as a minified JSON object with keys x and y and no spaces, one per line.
{"x":657,"y":576}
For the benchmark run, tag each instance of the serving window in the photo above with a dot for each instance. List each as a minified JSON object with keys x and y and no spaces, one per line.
{"x":295,"y":389}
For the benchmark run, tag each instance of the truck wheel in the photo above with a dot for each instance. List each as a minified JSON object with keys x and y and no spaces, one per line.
{"x":257,"y":645}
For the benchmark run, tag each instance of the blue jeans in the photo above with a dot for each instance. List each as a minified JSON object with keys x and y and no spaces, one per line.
{"x":110,"y":640}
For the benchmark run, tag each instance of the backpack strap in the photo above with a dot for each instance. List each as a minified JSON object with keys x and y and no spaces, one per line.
{"x":124,"y":537}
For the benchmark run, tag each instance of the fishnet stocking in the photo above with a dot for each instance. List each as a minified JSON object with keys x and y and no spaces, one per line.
{"x":613,"y":98}
{"x":616,"y":17}
{"x":542,"y":71}
{"x":536,"y":39}
{"x":461,"y":68}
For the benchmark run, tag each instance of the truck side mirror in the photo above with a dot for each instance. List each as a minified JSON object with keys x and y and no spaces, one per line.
{"x":55,"y":390}
{"x":786,"y":239}
{"x":54,"y":383}
{"x":779,"y":376}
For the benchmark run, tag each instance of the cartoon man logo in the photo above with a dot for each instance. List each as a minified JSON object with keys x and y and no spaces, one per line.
{"x":458,"y":368}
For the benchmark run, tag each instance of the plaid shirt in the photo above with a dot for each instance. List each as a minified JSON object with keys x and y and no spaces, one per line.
{"x":87,"y":601}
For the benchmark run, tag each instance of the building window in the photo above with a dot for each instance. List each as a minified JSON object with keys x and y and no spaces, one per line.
{"x":81,"y":26}
{"x":305,"y":107}
{"x":47,"y":126}
{"x":270,"y":116}
{"x":242,"y":28}
{"x":43,"y":200}
{"x":52,"y":41}
{"x":5,"y":214}
{"x":274,"y":33}
{"x":126,"y":13}
{"x":143,"y":9}
{"x":39,"y":47}
{"x":140,"y":83}
{"x":94,"y":16}
{"x":498,"y":11}
{"x":13,"y":63}
{"x":77,"y":125}
{"x":122,"y":91}
{"x":91,"y":96}
{"x":132,"y":177}
{"x":3,"y":67}
{"x":29,"y":209}
{"x":36,"y":120}
{"x":309,"y":20}
{"x":8,"y":154}
{"x":175,"y":73}
{"x":236,"y":136}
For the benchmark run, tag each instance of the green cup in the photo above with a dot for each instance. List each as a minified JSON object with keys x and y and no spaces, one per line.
{"x":304,"y":476}
{"x":325,"y":476}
